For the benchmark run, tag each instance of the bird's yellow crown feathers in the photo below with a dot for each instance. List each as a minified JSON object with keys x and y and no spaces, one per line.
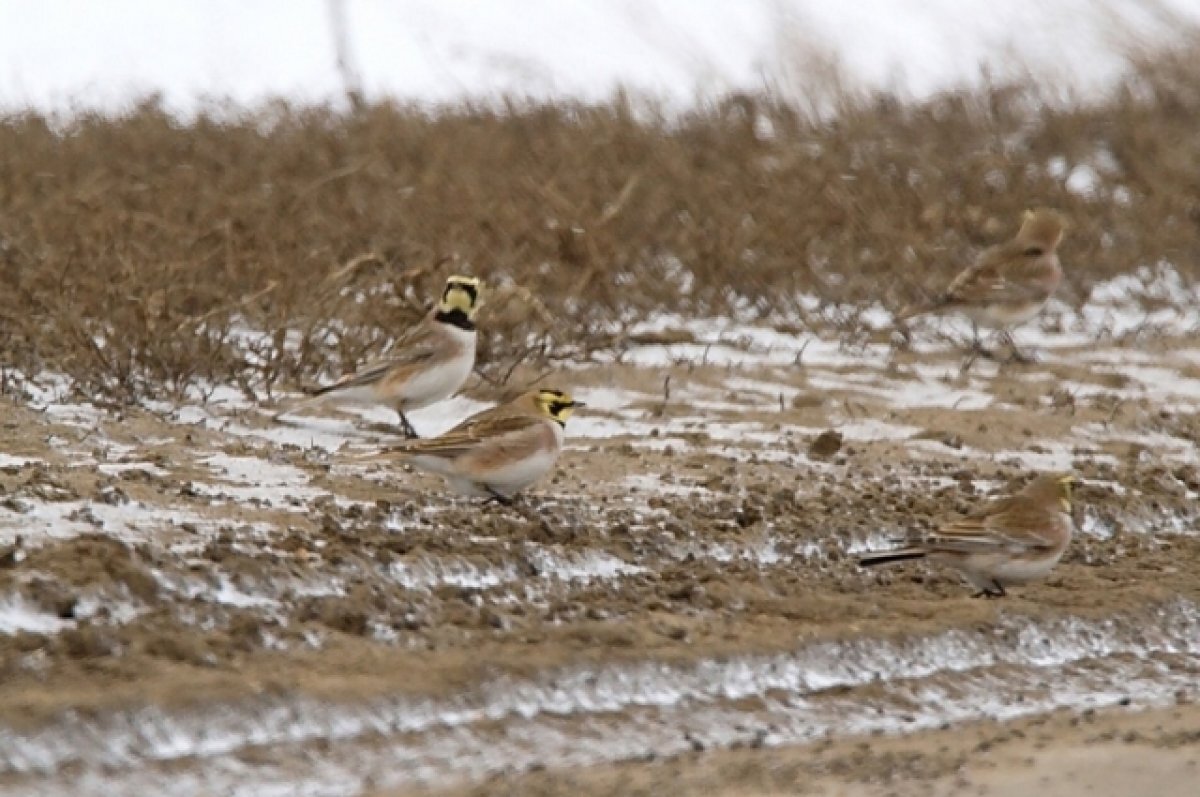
{"x":461,"y":293}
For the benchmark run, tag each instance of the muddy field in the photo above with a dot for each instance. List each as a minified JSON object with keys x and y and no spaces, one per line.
{"x":195,"y":597}
{"x":203,"y":592}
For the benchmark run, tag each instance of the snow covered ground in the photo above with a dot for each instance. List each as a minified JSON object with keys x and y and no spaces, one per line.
{"x":64,"y":54}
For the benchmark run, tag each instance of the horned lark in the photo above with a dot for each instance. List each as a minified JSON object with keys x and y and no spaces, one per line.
{"x":1009,"y":283}
{"x":428,"y":363}
{"x":1011,"y":541}
{"x":499,"y":452}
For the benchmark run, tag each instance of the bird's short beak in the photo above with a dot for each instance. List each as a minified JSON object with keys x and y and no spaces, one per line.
{"x":577,"y":404}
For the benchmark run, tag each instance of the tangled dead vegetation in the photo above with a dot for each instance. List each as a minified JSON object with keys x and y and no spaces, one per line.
{"x":143,"y":255}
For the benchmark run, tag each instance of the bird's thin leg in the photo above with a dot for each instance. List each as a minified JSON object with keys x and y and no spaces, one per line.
{"x":1017,"y":355}
{"x":970,"y":359}
{"x":977,"y":343}
{"x":406,"y":428}
{"x":976,"y":349}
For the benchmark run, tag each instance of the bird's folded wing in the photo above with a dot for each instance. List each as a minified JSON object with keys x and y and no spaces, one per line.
{"x":394,"y":366}
{"x":1010,"y":282}
{"x":1002,"y":531}
{"x":509,"y":449}
{"x":969,"y":535}
{"x":494,"y":431}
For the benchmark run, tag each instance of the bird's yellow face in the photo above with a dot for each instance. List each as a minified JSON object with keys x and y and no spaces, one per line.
{"x":1065,"y":482}
{"x":557,"y":405}
{"x":461,"y":294}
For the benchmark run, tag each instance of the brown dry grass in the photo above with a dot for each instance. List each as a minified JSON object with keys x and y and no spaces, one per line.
{"x":133,"y":249}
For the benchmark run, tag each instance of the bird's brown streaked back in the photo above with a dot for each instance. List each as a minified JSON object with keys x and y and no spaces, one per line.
{"x":1011,"y":540}
{"x":429,"y":362}
{"x":415,"y":351}
{"x":512,"y":418}
{"x":468,"y":435}
{"x":1023,"y":270}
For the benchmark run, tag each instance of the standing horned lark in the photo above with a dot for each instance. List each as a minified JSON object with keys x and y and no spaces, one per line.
{"x":499,"y":452}
{"x":1011,"y":541}
{"x":428,"y":363}
{"x":1009,"y":283}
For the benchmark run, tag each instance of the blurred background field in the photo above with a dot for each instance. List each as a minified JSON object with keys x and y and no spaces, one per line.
{"x":142,"y":237}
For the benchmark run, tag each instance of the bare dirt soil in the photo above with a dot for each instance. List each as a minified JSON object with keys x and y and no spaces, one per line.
{"x":203,"y":568}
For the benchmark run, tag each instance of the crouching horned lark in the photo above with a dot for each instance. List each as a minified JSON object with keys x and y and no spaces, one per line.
{"x":1009,"y":283}
{"x":1011,"y":541}
{"x":428,"y":363}
{"x":498,"y":452}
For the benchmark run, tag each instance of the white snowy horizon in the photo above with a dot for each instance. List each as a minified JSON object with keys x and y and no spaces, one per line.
{"x":78,"y":55}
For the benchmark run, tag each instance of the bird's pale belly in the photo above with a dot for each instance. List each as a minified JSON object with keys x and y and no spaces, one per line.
{"x":515,"y":477}
{"x":1001,"y":316}
{"x":435,"y":384}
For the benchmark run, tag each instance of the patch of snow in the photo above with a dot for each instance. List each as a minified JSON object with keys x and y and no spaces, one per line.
{"x":1083,"y":181}
{"x":428,"y":572}
{"x":117,"y":468}
{"x":12,"y":461}
{"x":871,"y":430}
{"x":607,"y":399}
{"x":584,"y":566}
{"x":254,"y":478}
{"x":133,"y":522}
{"x":230,"y":594}
{"x":17,"y":615}
{"x":656,"y":486}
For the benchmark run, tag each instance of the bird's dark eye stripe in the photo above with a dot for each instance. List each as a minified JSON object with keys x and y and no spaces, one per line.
{"x":556,"y":407}
{"x":465,"y":287}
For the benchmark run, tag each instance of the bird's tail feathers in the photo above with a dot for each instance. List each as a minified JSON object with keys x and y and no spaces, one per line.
{"x":889,"y":557}
{"x":920,"y":308}
{"x":320,"y":390}
{"x":314,"y":397}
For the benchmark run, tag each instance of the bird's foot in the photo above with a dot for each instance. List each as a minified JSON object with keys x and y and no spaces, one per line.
{"x":523,"y":508}
{"x":503,"y":500}
{"x":901,"y":337}
{"x":1022,"y":358}
{"x":991,"y":591}
{"x":1015,"y":354}
{"x":975,"y":352}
